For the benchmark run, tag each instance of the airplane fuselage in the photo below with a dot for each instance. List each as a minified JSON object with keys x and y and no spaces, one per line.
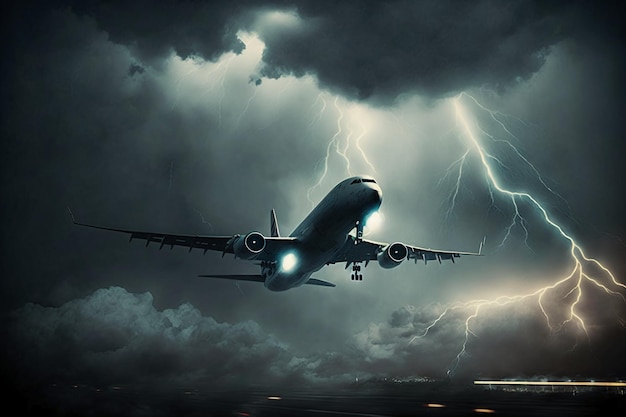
{"x":324,"y":232}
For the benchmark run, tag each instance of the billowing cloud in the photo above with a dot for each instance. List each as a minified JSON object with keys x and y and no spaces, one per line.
{"x":504,"y":340}
{"x":205,"y":29}
{"x":432,"y":48}
{"x":115,"y":337}
{"x":364,"y":50}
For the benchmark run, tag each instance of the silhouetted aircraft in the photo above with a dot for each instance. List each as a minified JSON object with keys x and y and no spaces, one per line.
{"x":324,"y":237}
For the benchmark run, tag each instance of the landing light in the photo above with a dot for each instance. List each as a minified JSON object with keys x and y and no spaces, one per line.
{"x":289,"y":262}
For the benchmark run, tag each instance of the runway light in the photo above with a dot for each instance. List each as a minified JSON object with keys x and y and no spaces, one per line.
{"x":484,"y":410}
{"x":435,"y":405}
{"x":274,"y":397}
{"x":289,"y":262}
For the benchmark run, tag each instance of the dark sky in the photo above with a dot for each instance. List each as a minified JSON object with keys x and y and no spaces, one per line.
{"x":199,"y":117}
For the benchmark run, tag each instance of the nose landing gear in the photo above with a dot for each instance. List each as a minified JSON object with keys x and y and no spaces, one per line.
{"x":356,"y":267}
{"x":359,"y":232}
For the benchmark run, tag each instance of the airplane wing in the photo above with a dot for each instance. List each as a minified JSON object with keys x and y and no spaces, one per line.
{"x":259,"y":278}
{"x":368,"y":250}
{"x":224,"y":244}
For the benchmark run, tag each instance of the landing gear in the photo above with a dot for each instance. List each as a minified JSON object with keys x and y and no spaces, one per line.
{"x":359,"y":232}
{"x":356,"y":276}
{"x":267,"y":268}
{"x":356,"y":268}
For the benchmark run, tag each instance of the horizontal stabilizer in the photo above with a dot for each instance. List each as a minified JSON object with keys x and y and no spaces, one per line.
{"x":256,"y":278}
{"x":259,"y":278}
{"x":314,"y":281}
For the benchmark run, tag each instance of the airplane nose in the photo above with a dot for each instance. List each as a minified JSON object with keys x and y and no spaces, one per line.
{"x":376,"y":194}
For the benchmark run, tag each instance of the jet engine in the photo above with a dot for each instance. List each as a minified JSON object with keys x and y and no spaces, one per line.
{"x":392,"y":256}
{"x":246,"y":247}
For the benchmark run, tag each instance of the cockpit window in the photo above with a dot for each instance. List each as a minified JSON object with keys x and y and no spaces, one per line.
{"x":360,"y":180}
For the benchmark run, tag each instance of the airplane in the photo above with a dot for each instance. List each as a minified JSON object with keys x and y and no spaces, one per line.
{"x":331,"y":233}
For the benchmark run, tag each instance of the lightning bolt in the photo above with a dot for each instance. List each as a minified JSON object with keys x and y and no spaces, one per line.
{"x":239,"y":288}
{"x":340,"y":142}
{"x":496,"y":117}
{"x":569,"y":289}
{"x":320,"y":113}
{"x":455,"y":191}
{"x":333,"y":142}
{"x":178,"y":85}
{"x":336,"y":137}
{"x":204,"y":221}
{"x":360,"y":149}
{"x":222,"y":91}
{"x":245,"y":109}
{"x":278,"y":96}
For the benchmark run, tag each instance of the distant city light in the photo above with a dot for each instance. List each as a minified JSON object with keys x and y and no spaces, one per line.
{"x":556,"y":383}
{"x":484,"y":410}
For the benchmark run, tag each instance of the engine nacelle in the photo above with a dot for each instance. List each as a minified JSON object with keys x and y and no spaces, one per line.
{"x":392,"y":256}
{"x":250,"y":245}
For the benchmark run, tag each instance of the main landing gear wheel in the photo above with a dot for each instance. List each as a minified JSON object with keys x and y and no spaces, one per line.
{"x":356,"y":268}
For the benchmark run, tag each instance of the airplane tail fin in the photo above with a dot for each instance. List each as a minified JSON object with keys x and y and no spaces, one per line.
{"x":274,"y":231}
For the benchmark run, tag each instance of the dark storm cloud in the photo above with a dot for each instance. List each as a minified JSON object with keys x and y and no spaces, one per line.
{"x":155,"y":29}
{"x":504,"y":340}
{"x":367,"y":49}
{"x":115,"y":337}
{"x":437,"y":48}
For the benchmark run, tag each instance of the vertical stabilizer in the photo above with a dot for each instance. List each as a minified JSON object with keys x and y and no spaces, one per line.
{"x":274,"y":231}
